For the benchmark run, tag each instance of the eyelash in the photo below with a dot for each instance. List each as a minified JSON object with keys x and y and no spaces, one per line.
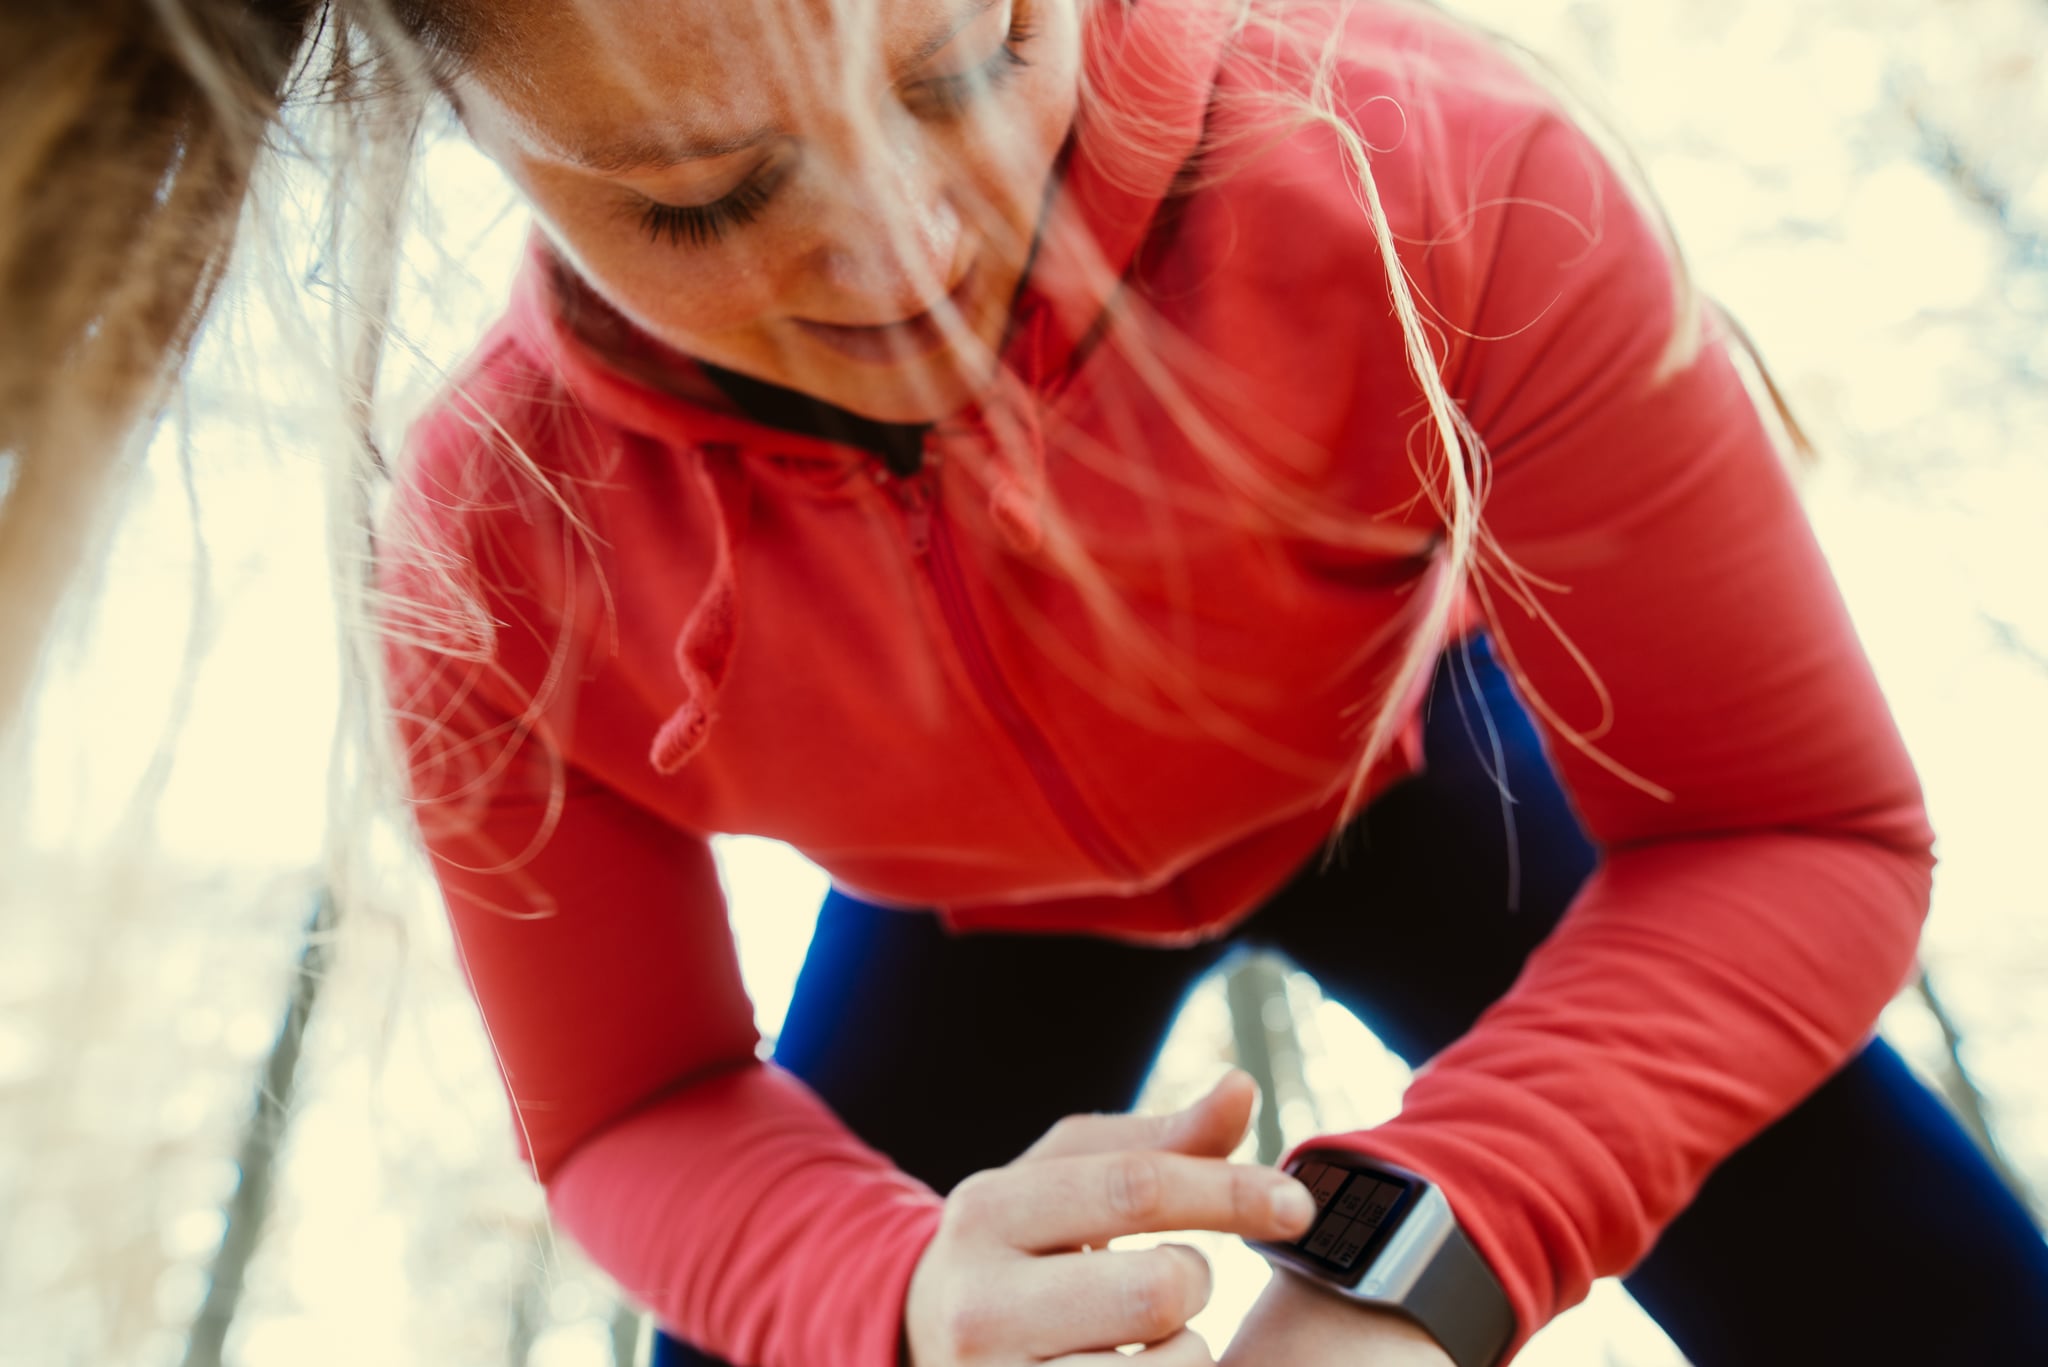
{"x":951,"y":95}
{"x":701,"y":225}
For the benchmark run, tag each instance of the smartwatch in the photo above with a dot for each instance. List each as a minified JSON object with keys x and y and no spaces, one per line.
{"x":1385,"y":1237}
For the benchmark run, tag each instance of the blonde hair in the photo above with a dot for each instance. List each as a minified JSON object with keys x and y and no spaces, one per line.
{"x":1451,"y":461}
{"x":132,"y":132}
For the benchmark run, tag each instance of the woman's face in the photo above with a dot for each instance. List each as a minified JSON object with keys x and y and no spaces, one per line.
{"x":838,"y":196}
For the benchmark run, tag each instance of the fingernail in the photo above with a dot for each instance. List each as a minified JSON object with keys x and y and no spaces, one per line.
{"x":1292,"y":1205}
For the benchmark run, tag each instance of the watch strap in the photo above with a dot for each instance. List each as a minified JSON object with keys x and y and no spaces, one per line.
{"x":1423,"y":1267}
{"x":1459,"y":1301}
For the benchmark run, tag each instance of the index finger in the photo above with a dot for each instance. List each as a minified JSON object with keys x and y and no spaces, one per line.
{"x":1061,"y":1203}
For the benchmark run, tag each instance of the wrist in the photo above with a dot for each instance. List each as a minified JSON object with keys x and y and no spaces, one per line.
{"x":1385,"y":1240}
{"x":1296,"y":1323}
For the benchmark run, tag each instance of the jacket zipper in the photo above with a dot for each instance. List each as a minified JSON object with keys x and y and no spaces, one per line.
{"x":932,"y":543}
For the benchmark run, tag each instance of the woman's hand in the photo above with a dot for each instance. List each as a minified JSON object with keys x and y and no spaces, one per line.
{"x":1005,"y":1281}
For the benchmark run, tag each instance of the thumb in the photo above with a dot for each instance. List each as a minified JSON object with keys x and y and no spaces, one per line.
{"x":1211,"y":1126}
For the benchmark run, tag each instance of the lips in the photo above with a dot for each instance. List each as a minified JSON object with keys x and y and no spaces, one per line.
{"x":893,"y":343}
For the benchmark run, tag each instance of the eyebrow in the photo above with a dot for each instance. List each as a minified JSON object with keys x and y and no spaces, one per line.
{"x":651,"y":150}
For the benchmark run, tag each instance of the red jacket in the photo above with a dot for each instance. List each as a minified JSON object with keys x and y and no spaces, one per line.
{"x":725,"y":628}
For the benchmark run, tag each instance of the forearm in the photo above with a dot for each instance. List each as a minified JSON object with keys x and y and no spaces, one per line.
{"x":1697,"y":990}
{"x":746,"y":1217}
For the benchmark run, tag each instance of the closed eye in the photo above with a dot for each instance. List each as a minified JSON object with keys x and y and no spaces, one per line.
{"x":701,"y":225}
{"x":949,"y":96}
{"x":936,"y":97}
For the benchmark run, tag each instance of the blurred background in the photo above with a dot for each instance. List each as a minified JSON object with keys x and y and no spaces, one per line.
{"x":235,"y":1130}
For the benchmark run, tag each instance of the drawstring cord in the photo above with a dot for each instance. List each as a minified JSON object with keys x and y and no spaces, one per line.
{"x":1008,"y":423}
{"x":705,"y":646}
{"x":1016,"y":497}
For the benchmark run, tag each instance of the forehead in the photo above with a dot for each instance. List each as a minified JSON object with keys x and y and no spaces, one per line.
{"x":568,"y":71}
{"x":671,"y":30}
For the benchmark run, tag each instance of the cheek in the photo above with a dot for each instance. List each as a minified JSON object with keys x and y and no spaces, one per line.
{"x":1011,"y":169}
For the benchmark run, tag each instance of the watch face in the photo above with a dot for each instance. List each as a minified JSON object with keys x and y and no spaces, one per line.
{"x":1356,"y":1211}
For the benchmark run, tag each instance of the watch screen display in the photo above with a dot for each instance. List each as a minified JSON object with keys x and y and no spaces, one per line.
{"x":1354,"y":1212}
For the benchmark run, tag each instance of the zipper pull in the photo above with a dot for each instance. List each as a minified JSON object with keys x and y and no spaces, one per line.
{"x":914,"y":496}
{"x":917,"y":511}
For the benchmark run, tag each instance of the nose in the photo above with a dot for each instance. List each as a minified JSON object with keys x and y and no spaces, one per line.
{"x":891,"y":237}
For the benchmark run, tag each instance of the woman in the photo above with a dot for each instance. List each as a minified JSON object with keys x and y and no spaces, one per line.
{"x":991,"y":447}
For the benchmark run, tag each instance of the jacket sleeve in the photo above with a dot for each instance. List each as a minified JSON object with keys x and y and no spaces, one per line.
{"x":716,"y":1188}
{"x":1765,"y":852}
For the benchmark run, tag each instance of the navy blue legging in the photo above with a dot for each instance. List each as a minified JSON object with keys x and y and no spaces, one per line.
{"x":1862,"y":1228}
